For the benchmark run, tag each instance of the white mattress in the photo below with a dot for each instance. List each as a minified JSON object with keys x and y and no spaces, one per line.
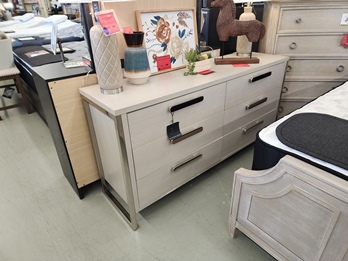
{"x":334,"y":103}
{"x":65,"y":29}
{"x":18,"y":25}
{"x":5,"y":24}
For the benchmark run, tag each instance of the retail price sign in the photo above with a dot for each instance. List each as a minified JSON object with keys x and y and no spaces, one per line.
{"x":108,"y":22}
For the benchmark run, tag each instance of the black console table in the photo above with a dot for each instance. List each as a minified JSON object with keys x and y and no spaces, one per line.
{"x":54,"y":93}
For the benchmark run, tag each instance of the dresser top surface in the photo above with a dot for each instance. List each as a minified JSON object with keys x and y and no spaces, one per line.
{"x":170,"y":85}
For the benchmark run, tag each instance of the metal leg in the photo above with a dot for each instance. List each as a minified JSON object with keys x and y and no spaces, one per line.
{"x":130,"y":214}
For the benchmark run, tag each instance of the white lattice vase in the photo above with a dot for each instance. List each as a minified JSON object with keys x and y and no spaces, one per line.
{"x":106,"y":61}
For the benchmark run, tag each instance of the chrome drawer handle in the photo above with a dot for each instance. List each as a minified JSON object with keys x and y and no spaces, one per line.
{"x":245,"y":131}
{"x":293,"y":46}
{"x":340,"y":68}
{"x":260,"y":77}
{"x":285,"y":89}
{"x":288,"y":68}
{"x":196,"y":157}
{"x":298,"y":20}
{"x":185,"y":104}
{"x":186,"y":135}
{"x":250,"y":106}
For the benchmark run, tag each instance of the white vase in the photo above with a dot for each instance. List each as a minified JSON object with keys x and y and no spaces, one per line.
{"x":243,"y":47}
{"x":106,"y":61}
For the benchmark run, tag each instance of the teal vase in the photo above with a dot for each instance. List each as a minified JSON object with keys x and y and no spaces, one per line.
{"x":136,"y":64}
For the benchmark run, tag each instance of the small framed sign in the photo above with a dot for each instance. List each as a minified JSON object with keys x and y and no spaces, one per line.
{"x":108,"y":21}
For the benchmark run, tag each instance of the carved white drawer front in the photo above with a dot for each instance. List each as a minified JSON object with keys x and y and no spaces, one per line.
{"x":311,"y":19}
{"x":287,"y":106}
{"x":310,"y":33}
{"x":253,"y":84}
{"x":325,"y":45}
{"x":178,"y":172}
{"x":306,"y":90}
{"x":319,"y":69}
{"x":151,"y":123}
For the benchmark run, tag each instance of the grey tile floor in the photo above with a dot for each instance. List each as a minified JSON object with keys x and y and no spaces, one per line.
{"x":41,"y":217}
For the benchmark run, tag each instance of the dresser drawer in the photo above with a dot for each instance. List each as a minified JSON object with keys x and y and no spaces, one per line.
{"x":151,"y":123}
{"x":287,"y":106}
{"x":173,"y":175}
{"x":325,"y":19}
{"x":321,"y":45}
{"x":307,"y":90}
{"x":154,"y":155}
{"x":247,"y":111}
{"x":317,"y":69}
{"x":245,"y":88}
{"x":246,"y":134}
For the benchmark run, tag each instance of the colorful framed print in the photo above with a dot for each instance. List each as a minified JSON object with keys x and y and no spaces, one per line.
{"x":168,"y":34}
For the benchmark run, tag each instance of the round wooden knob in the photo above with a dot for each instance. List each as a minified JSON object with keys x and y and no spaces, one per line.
{"x":340,"y":68}
{"x":293,"y":46}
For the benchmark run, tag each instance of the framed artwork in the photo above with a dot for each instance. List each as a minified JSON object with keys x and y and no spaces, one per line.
{"x":168,"y":34}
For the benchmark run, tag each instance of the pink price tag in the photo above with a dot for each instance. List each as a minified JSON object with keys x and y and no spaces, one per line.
{"x":127,"y":30}
{"x":108,"y":22}
{"x":205,"y":72}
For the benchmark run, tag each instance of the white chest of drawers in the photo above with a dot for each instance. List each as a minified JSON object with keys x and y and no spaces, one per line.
{"x":218,"y":114}
{"x":309,"y":32}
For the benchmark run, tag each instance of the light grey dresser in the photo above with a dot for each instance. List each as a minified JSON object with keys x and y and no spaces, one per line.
{"x":309,"y":32}
{"x":218,"y":114}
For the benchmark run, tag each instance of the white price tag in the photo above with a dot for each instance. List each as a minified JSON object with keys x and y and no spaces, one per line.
{"x":344,"y":20}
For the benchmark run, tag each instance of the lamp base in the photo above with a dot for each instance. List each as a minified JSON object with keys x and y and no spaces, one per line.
{"x":237,"y":60}
{"x":111,"y":91}
{"x":243,"y":54}
{"x":107,"y":61}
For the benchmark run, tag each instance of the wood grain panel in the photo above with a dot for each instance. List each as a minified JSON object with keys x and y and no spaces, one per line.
{"x":73,"y":123}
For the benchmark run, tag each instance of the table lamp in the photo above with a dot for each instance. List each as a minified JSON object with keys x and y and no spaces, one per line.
{"x":2,"y":10}
{"x":228,"y":26}
{"x":106,"y":53}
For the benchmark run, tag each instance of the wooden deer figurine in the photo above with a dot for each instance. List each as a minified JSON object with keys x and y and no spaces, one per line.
{"x":227,"y":25}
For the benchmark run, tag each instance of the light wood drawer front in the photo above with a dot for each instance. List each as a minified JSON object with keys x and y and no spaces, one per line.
{"x":165,"y":180}
{"x":242,"y":113}
{"x":151,"y":123}
{"x":160,"y":152}
{"x":246,"y":134}
{"x":322,"y":45}
{"x":317,"y":69}
{"x":307,"y":90}
{"x":246,"y":87}
{"x":312,"y":19}
{"x":285,"y":107}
